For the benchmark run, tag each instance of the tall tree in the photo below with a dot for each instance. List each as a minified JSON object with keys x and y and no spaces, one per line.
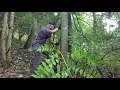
{"x":5,"y":25}
{"x":64,"y":33}
{"x":32,"y":35}
{"x":69,"y":30}
{"x":94,"y":23}
{"x":9,"y":39}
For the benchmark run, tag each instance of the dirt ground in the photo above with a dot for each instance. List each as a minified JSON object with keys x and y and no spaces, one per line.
{"x":21,"y":64}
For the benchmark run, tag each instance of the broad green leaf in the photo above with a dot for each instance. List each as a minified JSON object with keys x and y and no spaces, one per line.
{"x":52,"y":71}
{"x":73,"y":68}
{"x":46,"y":73}
{"x":40,"y":67}
{"x":53,"y":62}
{"x":56,"y":56}
{"x":88,"y":75}
{"x":66,"y":73}
{"x":58,"y":68}
{"x":81,"y":72}
{"x":51,"y":65}
{"x":68,"y":70}
{"x":57,"y":60}
{"x":36,"y":72}
{"x":48,"y":61}
{"x":54,"y":76}
{"x":98,"y":75}
{"x":42,"y":76}
{"x":48,"y":69}
{"x":44,"y":64}
{"x":76,"y":70}
{"x":63,"y":75}
{"x":35,"y":76}
{"x":58,"y":75}
{"x":85,"y":74}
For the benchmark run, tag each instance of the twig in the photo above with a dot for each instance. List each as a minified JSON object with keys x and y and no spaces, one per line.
{"x":79,"y":27}
{"x":111,"y":50}
{"x":65,"y":62}
{"x":85,"y":21}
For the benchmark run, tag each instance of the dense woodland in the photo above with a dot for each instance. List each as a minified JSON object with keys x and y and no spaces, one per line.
{"x":89,"y":45}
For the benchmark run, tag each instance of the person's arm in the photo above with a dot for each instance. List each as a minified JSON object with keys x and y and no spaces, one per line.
{"x":55,"y":30}
{"x":50,"y":41}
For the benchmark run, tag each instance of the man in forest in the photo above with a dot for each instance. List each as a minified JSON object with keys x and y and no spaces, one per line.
{"x":44,"y":35}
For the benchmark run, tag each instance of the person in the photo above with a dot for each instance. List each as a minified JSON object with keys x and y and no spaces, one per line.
{"x":44,"y":35}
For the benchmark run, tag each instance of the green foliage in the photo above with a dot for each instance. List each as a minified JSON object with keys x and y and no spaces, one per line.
{"x":86,"y":55}
{"x":55,"y":68}
{"x":46,"y":47}
{"x":50,"y":68}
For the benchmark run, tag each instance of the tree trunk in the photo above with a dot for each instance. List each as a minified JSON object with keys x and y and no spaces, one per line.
{"x":32,"y":35}
{"x":9,"y":39}
{"x":94,"y":23}
{"x":0,"y":32}
{"x":69,"y":31}
{"x":64,"y":33}
{"x":109,"y":15}
{"x":5,"y":24}
{"x":20,"y":36}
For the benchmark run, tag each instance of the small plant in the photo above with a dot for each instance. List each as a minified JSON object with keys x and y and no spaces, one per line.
{"x":50,"y":68}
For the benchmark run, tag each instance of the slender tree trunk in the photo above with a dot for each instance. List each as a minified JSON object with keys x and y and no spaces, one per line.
{"x":20,"y":36}
{"x":0,"y":32}
{"x":94,"y":23}
{"x":32,"y":35}
{"x":64,"y":33}
{"x":5,"y":24}
{"x":69,"y":31}
{"x":9,"y":39}
{"x":109,"y":15}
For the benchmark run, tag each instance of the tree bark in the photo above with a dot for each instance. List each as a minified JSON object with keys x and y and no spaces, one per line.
{"x":32,"y":35}
{"x":94,"y":23}
{"x":69,"y":31}
{"x":9,"y":39}
{"x":5,"y":24}
{"x":64,"y":33}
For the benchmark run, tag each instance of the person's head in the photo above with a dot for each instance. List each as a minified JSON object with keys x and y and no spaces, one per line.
{"x":52,"y":25}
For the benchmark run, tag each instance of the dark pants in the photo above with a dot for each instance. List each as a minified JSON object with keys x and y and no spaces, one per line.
{"x":37,"y":56}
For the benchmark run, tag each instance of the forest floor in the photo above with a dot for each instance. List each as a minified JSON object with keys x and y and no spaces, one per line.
{"x":21,"y":64}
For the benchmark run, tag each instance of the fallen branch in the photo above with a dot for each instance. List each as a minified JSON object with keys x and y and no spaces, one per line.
{"x":111,"y":50}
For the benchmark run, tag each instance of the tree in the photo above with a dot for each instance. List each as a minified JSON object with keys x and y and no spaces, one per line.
{"x":94,"y":23}
{"x":32,"y":35}
{"x":64,"y":33}
{"x":69,"y":30}
{"x":5,"y":24}
{"x":9,"y":39}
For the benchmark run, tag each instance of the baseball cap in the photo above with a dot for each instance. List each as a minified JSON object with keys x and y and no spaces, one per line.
{"x":53,"y":23}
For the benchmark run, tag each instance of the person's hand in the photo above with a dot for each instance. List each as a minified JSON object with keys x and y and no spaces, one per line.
{"x":57,"y":43}
{"x":55,"y":30}
{"x":59,"y":26}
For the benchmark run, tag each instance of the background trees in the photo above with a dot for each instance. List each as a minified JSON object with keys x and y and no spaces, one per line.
{"x":91,"y":38}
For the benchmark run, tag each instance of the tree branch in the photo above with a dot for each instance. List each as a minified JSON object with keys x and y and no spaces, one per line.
{"x":85,"y":22}
{"x":111,"y":50}
{"x":79,"y":27}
